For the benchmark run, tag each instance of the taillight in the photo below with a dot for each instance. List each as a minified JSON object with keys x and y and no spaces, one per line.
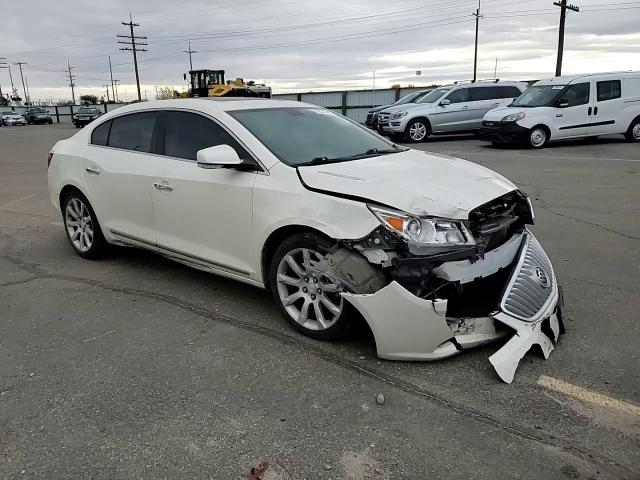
{"x":49,"y":159}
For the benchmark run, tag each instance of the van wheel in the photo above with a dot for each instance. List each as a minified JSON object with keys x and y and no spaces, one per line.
{"x":417,"y":131}
{"x":310,"y":301}
{"x":82,"y":227}
{"x":538,"y":137}
{"x":633,"y":134}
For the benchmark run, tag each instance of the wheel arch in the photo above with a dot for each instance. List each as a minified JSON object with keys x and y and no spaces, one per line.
{"x":275,"y":238}
{"x":633,"y":120}
{"x":66,"y":190}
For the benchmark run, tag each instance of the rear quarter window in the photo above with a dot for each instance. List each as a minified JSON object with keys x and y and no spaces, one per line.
{"x":100,"y":134}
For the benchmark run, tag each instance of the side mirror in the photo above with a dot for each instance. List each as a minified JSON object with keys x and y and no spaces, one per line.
{"x":219,"y":156}
{"x":445,"y":102}
{"x":562,"y":103}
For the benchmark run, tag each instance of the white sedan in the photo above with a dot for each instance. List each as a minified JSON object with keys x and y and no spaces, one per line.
{"x":336,"y":221}
{"x":9,"y":117}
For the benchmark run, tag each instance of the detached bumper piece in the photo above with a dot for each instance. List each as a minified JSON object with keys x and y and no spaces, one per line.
{"x":407,"y":327}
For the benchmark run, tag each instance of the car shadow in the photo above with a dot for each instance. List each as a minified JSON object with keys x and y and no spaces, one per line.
{"x":604,"y":140}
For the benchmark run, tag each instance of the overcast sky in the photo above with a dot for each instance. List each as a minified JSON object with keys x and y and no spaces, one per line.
{"x":297,"y":45}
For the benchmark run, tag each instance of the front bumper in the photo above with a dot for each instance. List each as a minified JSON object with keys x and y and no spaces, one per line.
{"x":15,"y":122}
{"x":503,"y":133}
{"x":407,"y":327}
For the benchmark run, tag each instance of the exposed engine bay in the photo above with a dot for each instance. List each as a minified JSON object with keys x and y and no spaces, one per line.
{"x":431,"y":302}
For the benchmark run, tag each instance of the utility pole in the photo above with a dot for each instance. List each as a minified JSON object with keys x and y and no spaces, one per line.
{"x":2,"y":65}
{"x":71,"y":84}
{"x":26,"y":81}
{"x":115,"y":83}
{"x":14,"y":91}
{"x":131,"y":46}
{"x":24,"y":89}
{"x":563,"y":16}
{"x":475,"y":56}
{"x":107,"y":87}
{"x":495,"y":70}
{"x":111,"y":74}
{"x":190,"y":52}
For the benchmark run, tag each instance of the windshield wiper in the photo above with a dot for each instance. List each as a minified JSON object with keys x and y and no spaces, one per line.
{"x":372,"y":152}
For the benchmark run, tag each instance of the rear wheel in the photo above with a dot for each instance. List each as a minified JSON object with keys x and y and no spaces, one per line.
{"x":417,"y":130}
{"x":538,"y":137}
{"x":633,"y":134}
{"x":82,"y":227}
{"x":310,"y":301}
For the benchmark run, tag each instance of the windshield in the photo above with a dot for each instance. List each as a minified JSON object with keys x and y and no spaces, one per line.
{"x":87,"y":110}
{"x":433,"y":95}
{"x":308,"y":135}
{"x":412,"y":97}
{"x":538,"y":96}
{"x":8,"y":113}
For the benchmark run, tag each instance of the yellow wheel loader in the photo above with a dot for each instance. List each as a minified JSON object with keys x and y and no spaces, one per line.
{"x":211,"y":83}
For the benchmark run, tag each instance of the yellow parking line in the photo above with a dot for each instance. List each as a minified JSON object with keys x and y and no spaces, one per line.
{"x":588,"y":396}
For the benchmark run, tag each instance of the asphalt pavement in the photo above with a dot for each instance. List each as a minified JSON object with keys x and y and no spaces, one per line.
{"x":137,"y":367}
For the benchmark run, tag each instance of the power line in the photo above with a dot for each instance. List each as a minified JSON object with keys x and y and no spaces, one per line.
{"x":131,"y":46}
{"x":563,"y":16}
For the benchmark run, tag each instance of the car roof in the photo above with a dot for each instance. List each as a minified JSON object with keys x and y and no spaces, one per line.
{"x":567,"y":79}
{"x":212,"y":104}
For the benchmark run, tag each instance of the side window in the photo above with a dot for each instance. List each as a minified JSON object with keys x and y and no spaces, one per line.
{"x":609,"y":90}
{"x":482,"y":93}
{"x":459,"y":96}
{"x":508,"y":92}
{"x":186,"y":133}
{"x":100,"y":134}
{"x":577,"y":94}
{"x":133,"y":132}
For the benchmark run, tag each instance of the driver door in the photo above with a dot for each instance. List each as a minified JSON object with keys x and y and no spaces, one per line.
{"x":573,"y":119}
{"x":203,"y":216}
{"x":455,"y":115}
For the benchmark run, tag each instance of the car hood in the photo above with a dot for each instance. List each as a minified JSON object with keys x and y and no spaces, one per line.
{"x":14,"y":117}
{"x":500,"y":113}
{"x":416,"y":182}
{"x":408,"y":107}
{"x":378,"y":109}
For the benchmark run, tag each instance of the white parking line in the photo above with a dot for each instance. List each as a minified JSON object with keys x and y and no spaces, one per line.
{"x":588,"y":396}
{"x":13,"y":202}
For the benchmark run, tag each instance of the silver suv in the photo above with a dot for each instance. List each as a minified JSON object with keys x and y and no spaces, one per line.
{"x":454,"y":108}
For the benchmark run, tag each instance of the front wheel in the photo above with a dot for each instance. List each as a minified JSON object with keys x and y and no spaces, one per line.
{"x":309,"y":300}
{"x":538,"y":137}
{"x":82,"y":227}
{"x":633,"y":134}
{"x":417,"y":131}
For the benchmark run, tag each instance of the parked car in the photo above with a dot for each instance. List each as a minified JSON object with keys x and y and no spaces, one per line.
{"x":85,"y":116}
{"x":569,"y":107}
{"x":434,"y":252}
{"x":37,"y":115}
{"x":9,"y":117}
{"x":372,"y":117}
{"x":457,"y":108}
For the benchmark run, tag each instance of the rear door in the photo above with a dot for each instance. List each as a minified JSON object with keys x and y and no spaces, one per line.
{"x":455,"y":116}
{"x":574,"y":119}
{"x":483,"y":99}
{"x":119,"y":171}
{"x":607,"y":107}
{"x":203,"y":216}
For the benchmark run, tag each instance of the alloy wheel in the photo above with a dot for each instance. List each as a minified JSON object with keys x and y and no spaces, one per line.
{"x":79,"y":224}
{"x":417,"y":131}
{"x":309,"y":297}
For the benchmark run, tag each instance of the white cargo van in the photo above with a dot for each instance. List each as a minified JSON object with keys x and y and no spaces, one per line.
{"x":569,"y":107}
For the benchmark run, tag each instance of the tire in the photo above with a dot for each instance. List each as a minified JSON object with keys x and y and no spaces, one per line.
{"x":291,"y":278}
{"x":538,"y":137}
{"x":417,"y":131}
{"x":633,"y":133}
{"x":82,"y":227}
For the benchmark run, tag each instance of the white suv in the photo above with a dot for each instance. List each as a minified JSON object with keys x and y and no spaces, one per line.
{"x":451,"y":109}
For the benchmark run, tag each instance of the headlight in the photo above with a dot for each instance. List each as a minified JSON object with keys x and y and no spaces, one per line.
{"x":514,"y":117}
{"x":424,"y":230}
{"x":399,"y":114}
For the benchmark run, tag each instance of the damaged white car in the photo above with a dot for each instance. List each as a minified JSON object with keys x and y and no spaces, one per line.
{"x":432,"y":251}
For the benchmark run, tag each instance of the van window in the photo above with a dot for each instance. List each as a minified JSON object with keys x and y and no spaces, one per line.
{"x":100,"y":134}
{"x":508,"y":92}
{"x":186,"y":133}
{"x":459,"y":96}
{"x":133,"y":132}
{"x":577,"y":94}
{"x":609,"y":90}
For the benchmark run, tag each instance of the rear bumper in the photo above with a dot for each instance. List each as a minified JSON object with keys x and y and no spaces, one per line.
{"x":510,"y":133}
{"x":407,"y":327}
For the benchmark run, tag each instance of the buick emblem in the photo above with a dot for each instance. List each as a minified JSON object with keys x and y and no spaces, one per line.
{"x":542,"y":277}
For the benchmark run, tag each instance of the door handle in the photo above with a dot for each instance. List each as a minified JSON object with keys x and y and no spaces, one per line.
{"x":589,"y":111}
{"x":496,"y":104}
{"x":595,"y":111}
{"x":93,"y":170}
{"x":163,"y":186}
{"x":465,"y":107}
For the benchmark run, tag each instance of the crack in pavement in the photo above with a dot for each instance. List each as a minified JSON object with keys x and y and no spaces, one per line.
{"x":543,"y":206}
{"x":521,"y":432}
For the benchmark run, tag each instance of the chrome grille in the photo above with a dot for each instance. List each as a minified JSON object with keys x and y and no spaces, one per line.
{"x":383,"y":117}
{"x":532,"y":283}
